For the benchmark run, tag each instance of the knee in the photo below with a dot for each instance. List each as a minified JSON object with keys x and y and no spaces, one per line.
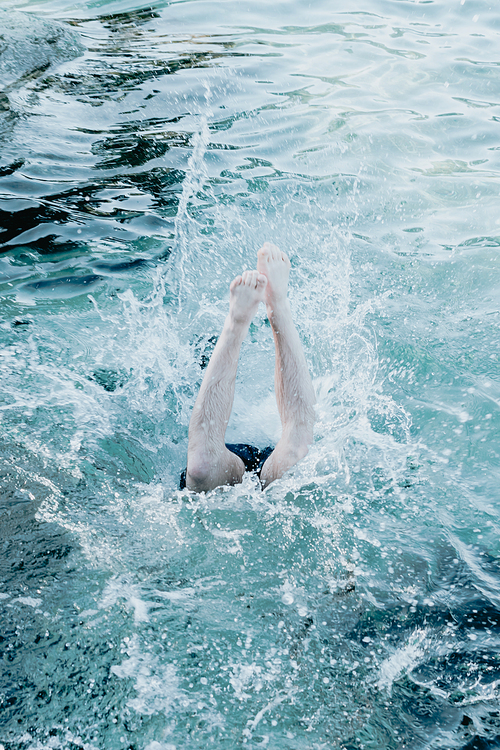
{"x":297,"y":452}
{"x":297,"y":442}
{"x":199,"y":470}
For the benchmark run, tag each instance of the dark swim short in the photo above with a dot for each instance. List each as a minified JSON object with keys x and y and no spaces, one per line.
{"x":253,"y":458}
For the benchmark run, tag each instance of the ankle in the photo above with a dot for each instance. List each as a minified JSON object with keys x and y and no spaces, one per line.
{"x":236,"y":327}
{"x":279,"y":310}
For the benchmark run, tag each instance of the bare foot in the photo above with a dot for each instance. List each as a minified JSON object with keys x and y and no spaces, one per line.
{"x":274,"y":264}
{"x":246,"y":293}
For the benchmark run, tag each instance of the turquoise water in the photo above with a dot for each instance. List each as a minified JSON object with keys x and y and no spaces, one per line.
{"x":147,"y":150}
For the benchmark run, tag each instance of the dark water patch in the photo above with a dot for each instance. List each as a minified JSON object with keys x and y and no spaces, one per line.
{"x":62,"y":287}
{"x":436,"y":677}
{"x":53,"y":244}
{"x":480,"y":743}
{"x":34,"y":552}
{"x":50,"y":225}
{"x":421,"y":714}
{"x":106,"y":83}
{"x":11,"y":168}
{"x":121,"y":266}
{"x":132,"y":147}
{"x":203,"y":350}
{"x":110,"y":380}
{"x":16,"y":223}
{"x":21,"y":323}
{"x":164,"y":185}
{"x":132,"y":19}
{"x":462,"y":675}
{"x":51,"y":664}
{"x":90,"y":696}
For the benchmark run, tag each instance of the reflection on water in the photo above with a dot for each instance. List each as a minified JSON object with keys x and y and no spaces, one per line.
{"x":146,"y":154}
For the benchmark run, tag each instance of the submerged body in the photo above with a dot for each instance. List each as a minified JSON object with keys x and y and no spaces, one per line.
{"x":211,"y":463}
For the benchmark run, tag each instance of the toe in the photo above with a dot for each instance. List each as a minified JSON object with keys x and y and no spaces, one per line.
{"x":236,"y":282}
{"x":274,"y":252}
{"x":262,"y":253}
{"x":257,"y":279}
{"x":261,"y":281}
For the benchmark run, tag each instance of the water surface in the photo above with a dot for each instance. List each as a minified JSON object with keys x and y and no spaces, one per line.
{"x":147,"y":151}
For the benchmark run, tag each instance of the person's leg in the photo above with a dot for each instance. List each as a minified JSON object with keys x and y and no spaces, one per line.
{"x":294,"y":389}
{"x":210,"y":464}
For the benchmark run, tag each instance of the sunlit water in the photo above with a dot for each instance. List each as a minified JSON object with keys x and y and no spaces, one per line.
{"x":147,"y":150}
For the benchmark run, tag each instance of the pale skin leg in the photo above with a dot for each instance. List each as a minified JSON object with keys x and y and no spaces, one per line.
{"x":210,"y":464}
{"x":292,"y":381}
